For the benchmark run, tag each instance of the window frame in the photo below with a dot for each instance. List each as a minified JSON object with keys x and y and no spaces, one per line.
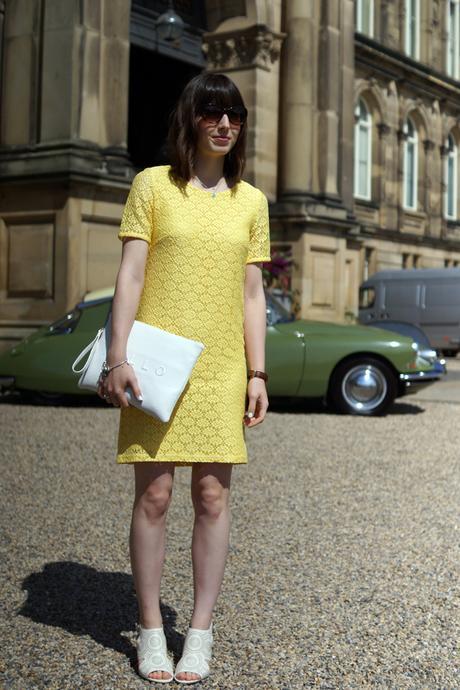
{"x":410,"y":140}
{"x":451,"y":157}
{"x":359,"y":125}
{"x":359,"y":17}
{"x":453,"y":40}
{"x":409,"y":21}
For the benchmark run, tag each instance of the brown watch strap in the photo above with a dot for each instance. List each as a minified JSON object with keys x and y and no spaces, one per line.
{"x":255,"y":373}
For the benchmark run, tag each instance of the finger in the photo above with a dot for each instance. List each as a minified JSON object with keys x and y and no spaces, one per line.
{"x":121,"y":399}
{"x":251,"y":410}
{"x":135,"y":388}
{"x":260,"y":411}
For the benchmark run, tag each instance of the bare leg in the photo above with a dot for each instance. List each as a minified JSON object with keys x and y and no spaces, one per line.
{"x":153,"y":490}
{"x":211,"y":500}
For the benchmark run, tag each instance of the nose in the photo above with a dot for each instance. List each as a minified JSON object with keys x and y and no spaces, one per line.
{"x":224,"y":121}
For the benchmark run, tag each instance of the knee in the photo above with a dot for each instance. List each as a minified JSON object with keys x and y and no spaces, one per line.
{"x":154,"y":502}
{"x":211,"y":501}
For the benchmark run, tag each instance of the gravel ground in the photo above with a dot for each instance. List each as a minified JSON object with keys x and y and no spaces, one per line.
{"x":342,"y":571}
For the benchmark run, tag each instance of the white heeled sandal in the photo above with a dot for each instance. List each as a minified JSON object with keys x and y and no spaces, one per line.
{"x":152,"y":654}
{"x":196,"y":655}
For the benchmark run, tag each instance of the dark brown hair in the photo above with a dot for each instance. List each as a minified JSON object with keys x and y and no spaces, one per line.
{"x":203,"y":89}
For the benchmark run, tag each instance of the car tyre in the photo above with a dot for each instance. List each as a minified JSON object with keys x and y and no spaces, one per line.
{"x":362,"y":386}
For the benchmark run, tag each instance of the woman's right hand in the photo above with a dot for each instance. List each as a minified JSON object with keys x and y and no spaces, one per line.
{"x":112,"y":388}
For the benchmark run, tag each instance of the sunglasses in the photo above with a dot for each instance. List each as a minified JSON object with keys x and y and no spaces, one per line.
{"x":237,"y":114}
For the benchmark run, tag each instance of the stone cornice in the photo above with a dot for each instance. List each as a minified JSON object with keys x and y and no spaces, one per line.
{"x":255,"y":46}
{"x":416,"y":76}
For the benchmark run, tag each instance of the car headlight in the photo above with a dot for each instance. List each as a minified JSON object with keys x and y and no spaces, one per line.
{"x":414,"y":346}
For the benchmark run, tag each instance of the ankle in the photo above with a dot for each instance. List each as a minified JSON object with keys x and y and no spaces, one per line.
{"x":200,"y":623}
{"x":149,"y":623}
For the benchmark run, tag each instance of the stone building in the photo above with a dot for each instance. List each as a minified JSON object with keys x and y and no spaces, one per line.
{"x":354,"y":134}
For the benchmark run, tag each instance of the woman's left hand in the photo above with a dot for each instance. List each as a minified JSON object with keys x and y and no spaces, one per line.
{"x":258,"y":402}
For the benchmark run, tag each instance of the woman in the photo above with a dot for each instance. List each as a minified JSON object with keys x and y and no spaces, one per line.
{"x":194,"y":236}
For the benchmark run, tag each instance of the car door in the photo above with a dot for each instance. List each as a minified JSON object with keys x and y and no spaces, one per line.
{"x":285,"y":353}
{"x":284,"y":349}
{"x":440,"y":315}
{"x":401,"y":301}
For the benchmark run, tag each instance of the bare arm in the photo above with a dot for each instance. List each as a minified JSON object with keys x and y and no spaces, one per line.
{"x":128,"y":288}
{"x":254,"y":338}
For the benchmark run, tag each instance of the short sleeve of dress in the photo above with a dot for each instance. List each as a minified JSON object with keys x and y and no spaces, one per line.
{"x":259,"y":234}
{"x":137,"y":219}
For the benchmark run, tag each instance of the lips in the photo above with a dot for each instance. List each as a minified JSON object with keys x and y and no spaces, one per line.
{"x":221,"y":140}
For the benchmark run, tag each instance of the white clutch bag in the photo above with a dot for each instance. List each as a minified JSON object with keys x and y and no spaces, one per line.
{"x":162,"y":362}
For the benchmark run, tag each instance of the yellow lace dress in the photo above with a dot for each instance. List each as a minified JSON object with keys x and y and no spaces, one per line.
{"x":194,"y":287}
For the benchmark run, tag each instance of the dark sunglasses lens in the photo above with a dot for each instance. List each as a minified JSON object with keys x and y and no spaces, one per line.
{"x":236,"y":114}
{"x":212,"y":113}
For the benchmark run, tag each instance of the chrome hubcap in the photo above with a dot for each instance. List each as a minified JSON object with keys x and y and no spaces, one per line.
{"x":364,"y":387}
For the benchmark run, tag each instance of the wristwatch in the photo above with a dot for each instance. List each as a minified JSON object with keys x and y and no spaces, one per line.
{"x":255,"y":373}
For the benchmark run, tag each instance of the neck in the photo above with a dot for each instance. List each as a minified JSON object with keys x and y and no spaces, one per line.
{"x":209,"y":169}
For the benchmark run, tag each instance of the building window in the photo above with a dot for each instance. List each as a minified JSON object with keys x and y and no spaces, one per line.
{"x":364,"y":16}
{"x":363,"y":151}
{"x":410,"y":165}
{"x":453,"y":28}
{"x":412,"y":29}
{"x":450,"y":173}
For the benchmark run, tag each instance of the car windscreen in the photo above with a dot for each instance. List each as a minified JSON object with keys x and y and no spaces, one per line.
{"x":276,"y":312}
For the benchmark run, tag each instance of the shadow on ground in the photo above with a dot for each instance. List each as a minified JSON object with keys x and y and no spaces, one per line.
{"x":85,"y":601}
{"x":287,"y":405}
{"x":317,"y":406}
{"x":42,"y":399}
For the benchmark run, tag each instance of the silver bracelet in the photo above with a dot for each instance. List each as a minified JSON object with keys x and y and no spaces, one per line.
{"x":105,"y":371}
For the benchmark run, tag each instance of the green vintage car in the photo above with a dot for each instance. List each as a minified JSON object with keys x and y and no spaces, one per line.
{"x":354,"y":369}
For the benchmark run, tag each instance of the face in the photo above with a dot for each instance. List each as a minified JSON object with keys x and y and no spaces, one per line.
{"x":218,"y":131}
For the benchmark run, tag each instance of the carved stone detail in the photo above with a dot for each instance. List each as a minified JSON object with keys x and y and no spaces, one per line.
{"x":383,"y":129}
{"x":256,"y":46}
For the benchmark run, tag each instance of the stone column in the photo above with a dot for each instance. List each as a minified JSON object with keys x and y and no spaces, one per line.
{"x":346,"y":109}
{"x":328,"y":99}
{"x":430,"y":177}
{"x":2,"y":23}
{"x":298,"y":99}
{"x":316,"y":153}
{"x":21,"y":73}
{"x":66,"y":88}
{"x":249,"y":56}
{"x":390,"y":22}
{"x":64,"y":166}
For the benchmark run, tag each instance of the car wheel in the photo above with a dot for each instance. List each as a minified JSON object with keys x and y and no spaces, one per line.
{"x":364,"y":386}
